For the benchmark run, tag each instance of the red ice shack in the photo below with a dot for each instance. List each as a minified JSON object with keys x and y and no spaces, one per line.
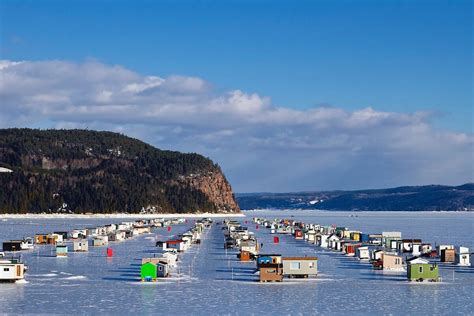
{"x":298,"y":234}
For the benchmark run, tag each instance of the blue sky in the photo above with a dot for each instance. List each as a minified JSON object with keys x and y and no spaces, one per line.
{"x":405,"y":57}
{"x":392,"y":55}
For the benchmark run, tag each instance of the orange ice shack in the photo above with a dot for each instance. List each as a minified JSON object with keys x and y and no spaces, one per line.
{"x":244,"y":255}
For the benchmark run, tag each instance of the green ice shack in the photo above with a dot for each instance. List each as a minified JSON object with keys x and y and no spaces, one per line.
{"x":419,"y":269}
{"x":148,"y":272}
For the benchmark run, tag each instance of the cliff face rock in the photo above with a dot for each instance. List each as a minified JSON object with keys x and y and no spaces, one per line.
{"x":87,"y":171}
{"x":215,"y":186}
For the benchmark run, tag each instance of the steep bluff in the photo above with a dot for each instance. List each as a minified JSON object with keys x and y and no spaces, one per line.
{"x":215,"y":186}
{"x":81,"y":171}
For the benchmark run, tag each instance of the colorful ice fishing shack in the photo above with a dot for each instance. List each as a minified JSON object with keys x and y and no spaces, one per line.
{"x":270,"y":272}
{"x":300,"y":266}
{"x":419,"y":269}
{"x":11,"y":270}
{"x":153,"y":268}
{"x":61,"y":250}
{"x":148,"y":272}
{"x":268,"y":258}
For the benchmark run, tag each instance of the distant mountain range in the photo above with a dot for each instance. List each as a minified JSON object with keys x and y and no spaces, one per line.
{"x":409,"y":198}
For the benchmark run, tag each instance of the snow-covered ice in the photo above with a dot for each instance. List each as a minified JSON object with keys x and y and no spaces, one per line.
{"x":209,"y":280}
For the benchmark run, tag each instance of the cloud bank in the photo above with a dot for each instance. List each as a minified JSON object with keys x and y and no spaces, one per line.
{"x":260,"y":146}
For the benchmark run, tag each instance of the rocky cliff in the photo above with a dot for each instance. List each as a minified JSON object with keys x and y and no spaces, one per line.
{"x":215,"y":186}
{"x":101,"y":172}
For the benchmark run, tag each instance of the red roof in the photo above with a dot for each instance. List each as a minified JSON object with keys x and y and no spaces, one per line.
{"x":177,"y":241}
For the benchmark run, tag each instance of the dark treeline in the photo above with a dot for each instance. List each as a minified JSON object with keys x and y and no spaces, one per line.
{"x":94,"y":171}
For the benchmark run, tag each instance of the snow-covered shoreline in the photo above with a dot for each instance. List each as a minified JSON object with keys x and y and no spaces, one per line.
{"x":320,"y":212}
{"x":118,"y":215}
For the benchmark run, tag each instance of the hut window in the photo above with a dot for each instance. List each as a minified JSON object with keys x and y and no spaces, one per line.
{"x":421,"y":269}
{"x":6,"y":269}
{"x":295,"y":265}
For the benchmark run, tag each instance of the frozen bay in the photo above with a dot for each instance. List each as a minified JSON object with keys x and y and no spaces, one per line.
{"x":211,"y":280}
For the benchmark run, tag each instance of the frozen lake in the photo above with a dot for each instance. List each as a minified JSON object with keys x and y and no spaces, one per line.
{"x":210,"y":280}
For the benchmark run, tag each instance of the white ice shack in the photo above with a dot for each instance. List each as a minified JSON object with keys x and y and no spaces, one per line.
{"x":363,"y":253}
{"x":463,"y":256}
{"x":80,"y":245}
{"x":11,"y":270}
{"x":100,"y":241}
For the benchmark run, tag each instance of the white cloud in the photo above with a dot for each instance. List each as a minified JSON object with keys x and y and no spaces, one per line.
{"x":262,"y":147}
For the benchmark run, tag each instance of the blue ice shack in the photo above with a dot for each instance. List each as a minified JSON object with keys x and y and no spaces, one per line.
{"x":364,"y":237}
{"x":265,"y":259}
{"x":61,"y":250}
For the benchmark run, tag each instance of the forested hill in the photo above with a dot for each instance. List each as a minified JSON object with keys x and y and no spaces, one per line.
{"x":83,"y":171}
{"x":414,"y":198}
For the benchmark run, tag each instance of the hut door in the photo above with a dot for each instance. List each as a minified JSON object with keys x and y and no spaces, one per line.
{"x":18,"y":270}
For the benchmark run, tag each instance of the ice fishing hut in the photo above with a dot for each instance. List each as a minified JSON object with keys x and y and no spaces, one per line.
{"x":377,"y":254}
{"x":245,"y":256}
{"x":333,"y":240}
{"x":268,"y":258}
{"x":355,"y":235}
{"x":310,"y":236}
{"x":176,"y":244}
{"x":392,"y":262}
{"x":161,"y":245}
{"x":53,"y":239}
{"x":419,"y":269}
{"x":41,"y":239}
{"x":161,"y":267}
{"x":350,"y":249}
{"x":426,"y":249}
{"x":153,"y":268}
{"x":462,"y":256}
{"x":300,"y":266}
{"x":270,"y":272}
{"x":63,"y":235}
{"x":364,"y":238}
{"x":448,"y":255}
{"x":79,"y":233}
{"x":80,"y":246}
{"x":416,"y":249}
{"x":363,"y":253}
{"x":250,"y":245}
{"x":61,"y":250}
{"x":323,"y":241}
{"x":100,"y":241}
{"x":12,"y":245}
{"x":376,"y":239}
{"x":148,"y":272}
{"x":11,"y":270}
{"x":389,"y":237}
{"x":116,"y":235}
{"x":298,"y":234}
{"x":440,"y":248}
{"x":406,"y":245}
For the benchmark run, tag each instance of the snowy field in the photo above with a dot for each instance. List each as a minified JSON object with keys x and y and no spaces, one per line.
{"x":210,"y":280}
